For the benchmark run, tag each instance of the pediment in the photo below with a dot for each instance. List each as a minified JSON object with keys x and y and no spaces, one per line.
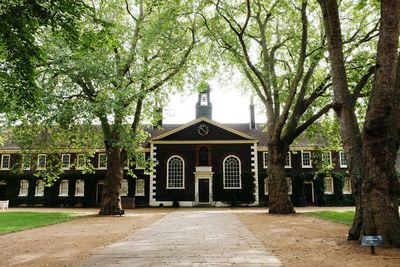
{"x":203,"y":129}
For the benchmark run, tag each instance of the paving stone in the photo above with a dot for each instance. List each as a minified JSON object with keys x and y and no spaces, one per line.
{"x":188,"y":238}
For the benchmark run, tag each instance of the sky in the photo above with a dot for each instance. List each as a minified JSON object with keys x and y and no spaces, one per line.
{"x":229,"y":100}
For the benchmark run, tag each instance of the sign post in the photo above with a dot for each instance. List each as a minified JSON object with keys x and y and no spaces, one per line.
{"x":372,"y":241}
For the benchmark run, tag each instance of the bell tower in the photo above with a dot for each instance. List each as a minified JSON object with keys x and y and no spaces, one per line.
{"x":203,"y":106}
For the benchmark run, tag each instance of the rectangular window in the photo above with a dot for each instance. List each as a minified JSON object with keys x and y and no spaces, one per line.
{"x":288,"y":160}
{"x":39,"y":190}
{"x":63,"y":188}
{"x":80,"y":161}
{"x":5,"y":161}
{"x":139,"y":191}
{"x":266,"y":181}
{"x":328,"y":183}
{"x":41,"y":162}
{"x":347,"y":185}
{"x":265,"y":160}
{"x":66,"y":161}
{"x":306,"y":159}
{"x":140,"y":161}
{"x":124,"y":188}
{"x":79,"y":188}
{"x":23,"y":188}
{"x":327,"y":158}
{"x":289,"y":185}
{"x":102,"y":161}
{"x":342,"y":159}
{"x":26,"y":161}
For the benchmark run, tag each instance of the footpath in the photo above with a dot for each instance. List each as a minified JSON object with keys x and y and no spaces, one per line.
{"x":188,"y":238}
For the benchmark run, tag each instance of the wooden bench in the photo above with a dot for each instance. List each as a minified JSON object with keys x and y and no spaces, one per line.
{"x":4,"y":204}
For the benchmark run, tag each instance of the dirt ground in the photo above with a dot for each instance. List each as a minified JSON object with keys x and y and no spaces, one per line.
{"x":300,"y":240}
{"x":68,"y":243}
{"x":297,"y":240}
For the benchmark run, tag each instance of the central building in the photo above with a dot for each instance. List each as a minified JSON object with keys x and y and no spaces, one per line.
{"x":204,"y":162}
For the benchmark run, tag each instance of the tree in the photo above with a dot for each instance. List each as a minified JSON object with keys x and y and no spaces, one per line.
{"x":372,"y":154}
{"x":118,"y":69}
{"x":21,"y":21}
{"x":280,"y":53}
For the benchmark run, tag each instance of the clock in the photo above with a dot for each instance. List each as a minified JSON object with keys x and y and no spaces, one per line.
{"x":203,"y":130}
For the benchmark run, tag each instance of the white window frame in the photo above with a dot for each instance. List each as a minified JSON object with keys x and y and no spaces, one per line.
{"x":124,"y":188}
{"x":77,"y":193}
{"x":77,"y":165}
{"x":329,"y":154}
{"x":330,"y":181}
{"x":140,"y":193}
{"x":240,"y":173}
{"x":61,"y":192}
{"x":24,"y":167}
{"x":265,"y":158}
{"x":290,"y":160}
{"x":302,"y":160}
{"x":23,"y":191}
{"x":99,"y":161}
{"x":38,"y":167}
{"x":289,"y":185}
{"x":142,"y":158}
{"x":266,"y":187}
{"x":39,"y":189}
{"x":69,"y":161}
{"x":2,"y":161}
{"x":183,"y":173}
{"x":342,"y":156}
{"x":126,"y":164}
{"x":347,"y":179}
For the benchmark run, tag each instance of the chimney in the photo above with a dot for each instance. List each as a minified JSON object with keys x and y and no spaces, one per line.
{"x":203,"y":106}
{"x":158,"y":117}
{"x":252,"y":115}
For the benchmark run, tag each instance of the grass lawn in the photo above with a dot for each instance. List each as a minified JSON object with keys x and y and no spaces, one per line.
{"x":344,"y":217}
{"x":16,"y":221}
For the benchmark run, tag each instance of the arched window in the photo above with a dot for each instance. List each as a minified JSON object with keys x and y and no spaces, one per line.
{"x":232,"y":173}
{"x":175,"y":172}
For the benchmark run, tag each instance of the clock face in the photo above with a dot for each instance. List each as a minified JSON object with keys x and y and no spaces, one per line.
{"x":203,"y":130}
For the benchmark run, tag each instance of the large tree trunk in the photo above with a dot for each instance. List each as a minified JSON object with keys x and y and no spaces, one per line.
{"x":344,"y":108}
{"x":110,"y":200}
{"x":279,"y":199}
{"x":381,"y":186}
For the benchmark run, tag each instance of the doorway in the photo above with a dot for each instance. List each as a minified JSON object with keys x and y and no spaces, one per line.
{"x":3,"y":190}
{"x":309,"y":192}
{"x":204,"y":190}
{"x":99,"y":191}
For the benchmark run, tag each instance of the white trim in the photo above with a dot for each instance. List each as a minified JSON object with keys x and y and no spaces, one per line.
{"x":240,"y":172}
{"x":302,"y":159}
{"x":152,"y":186}
{"x":265,"y":154}
{"x":183,"y":172}
{"x":329,"y":180}
{"x":203,"y":172}
{"x":69,"y":161}
{"x":99,"y":161}
{"x":38,"y":162}
{"x":23,"y":193}
{"x":290,"y":161}
{"x":2,"y":161}
{"x":289,"y":184}
{"x":61,"y":193}
{"x":184,"y":142}
{"x":255,"y":171}
{"x":83,"y":188}
{"x":41,"y":192}
{"x":77,"y":165}
{"x":341,"y":155}
{"x":140,"y":194}
{"x":201,"y":119}
{"x":346,"y":192}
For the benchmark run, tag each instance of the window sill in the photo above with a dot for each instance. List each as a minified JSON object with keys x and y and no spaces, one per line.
{"x":23,"y":195}
{"x":39,"y":195}
{"x":63,"y":195}
{"x":306,"y":167}
{"x":328,"y":193}
{"x":175,"y":188}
